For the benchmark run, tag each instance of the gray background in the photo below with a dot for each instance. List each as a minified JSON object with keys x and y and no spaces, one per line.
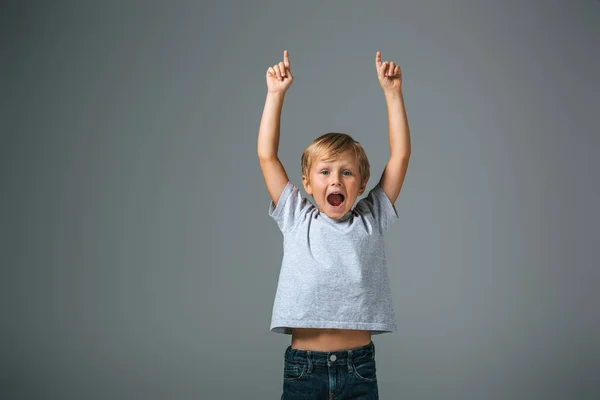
{"x":138,"y":258}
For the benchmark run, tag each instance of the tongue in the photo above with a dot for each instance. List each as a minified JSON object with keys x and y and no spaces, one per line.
{"x":335,"y":199}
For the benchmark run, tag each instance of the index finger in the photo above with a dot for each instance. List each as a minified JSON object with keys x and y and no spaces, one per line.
{"x":378,"y":58}
{"x":286,"y":58}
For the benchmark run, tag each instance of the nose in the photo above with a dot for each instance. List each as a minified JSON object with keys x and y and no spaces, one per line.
{"x":336,"y":178}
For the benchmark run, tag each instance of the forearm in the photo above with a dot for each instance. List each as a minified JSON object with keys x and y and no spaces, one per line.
{"x":268,"y":133}
{"x":398,"y":130}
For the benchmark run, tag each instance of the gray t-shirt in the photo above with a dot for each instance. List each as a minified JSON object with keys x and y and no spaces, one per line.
{"x":334,"y":272}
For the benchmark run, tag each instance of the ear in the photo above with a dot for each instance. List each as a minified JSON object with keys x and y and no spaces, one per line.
{"x":363,"y":187}
{"x":306,"y":185}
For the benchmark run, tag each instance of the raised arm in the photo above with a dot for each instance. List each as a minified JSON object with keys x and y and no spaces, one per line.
{"x":279,"y":79}
{"x":392,"y":178}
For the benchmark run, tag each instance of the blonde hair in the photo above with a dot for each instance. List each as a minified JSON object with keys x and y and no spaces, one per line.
{"x":329,"y":146}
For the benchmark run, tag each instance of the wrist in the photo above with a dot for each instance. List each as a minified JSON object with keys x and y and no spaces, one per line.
{"x":275,"y":94}
{"x":393,"y":94}
{"x":394,"y":99}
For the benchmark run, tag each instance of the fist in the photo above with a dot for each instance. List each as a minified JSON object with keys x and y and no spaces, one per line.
{"x":389,"y":74}
{"x":279,"y":76}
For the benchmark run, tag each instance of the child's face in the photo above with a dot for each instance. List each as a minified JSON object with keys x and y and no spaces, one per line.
{"x":340,"y":175}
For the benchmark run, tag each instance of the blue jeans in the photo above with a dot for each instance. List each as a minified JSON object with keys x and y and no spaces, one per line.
{"x":333,"y":375}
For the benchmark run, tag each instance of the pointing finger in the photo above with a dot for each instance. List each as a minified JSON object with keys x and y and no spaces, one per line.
{"x":286,"y":59}
{"x":378,"y":59}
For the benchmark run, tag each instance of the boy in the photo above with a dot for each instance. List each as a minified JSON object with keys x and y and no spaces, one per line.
{"x":333,"y":290}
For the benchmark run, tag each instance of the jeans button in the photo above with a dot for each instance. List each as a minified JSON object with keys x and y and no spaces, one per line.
{"x":333,"y":357}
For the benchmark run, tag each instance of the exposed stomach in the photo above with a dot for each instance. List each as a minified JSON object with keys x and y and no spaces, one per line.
{"x":322,"y":339}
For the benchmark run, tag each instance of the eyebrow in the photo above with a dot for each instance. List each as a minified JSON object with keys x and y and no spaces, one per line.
{"x":323,"y":164}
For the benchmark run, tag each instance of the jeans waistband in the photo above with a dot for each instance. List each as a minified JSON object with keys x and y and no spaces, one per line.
{"x":340,"y":357}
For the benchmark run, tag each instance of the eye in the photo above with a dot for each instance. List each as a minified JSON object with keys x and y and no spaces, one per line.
{"x":324,"y":171}
{"x":349,"y":173}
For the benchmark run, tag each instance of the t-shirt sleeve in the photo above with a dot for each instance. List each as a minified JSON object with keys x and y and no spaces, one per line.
{"x":379,"y":207}
{"x":290,"y":207}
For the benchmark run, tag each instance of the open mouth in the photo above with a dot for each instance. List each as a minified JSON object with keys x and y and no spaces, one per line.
{"x":335,"y":200}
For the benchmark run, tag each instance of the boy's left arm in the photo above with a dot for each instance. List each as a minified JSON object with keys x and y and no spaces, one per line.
{"x":390,"y":78}
{"x":394,"y":172}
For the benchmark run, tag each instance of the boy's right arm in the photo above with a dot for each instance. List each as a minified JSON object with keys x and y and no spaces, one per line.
{"x":268,"y":144}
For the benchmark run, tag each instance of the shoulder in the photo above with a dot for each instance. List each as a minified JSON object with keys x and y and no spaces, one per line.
{"x":290,"y":208}
{"x":378,"y":207}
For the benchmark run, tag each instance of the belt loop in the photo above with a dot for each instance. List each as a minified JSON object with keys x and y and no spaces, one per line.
{"x":349,"y":359}
{"x":309,"y":360}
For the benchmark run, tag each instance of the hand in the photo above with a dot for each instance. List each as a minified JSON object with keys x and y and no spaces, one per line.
{"x":279,"y":76}
{"x":389,"y":74}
